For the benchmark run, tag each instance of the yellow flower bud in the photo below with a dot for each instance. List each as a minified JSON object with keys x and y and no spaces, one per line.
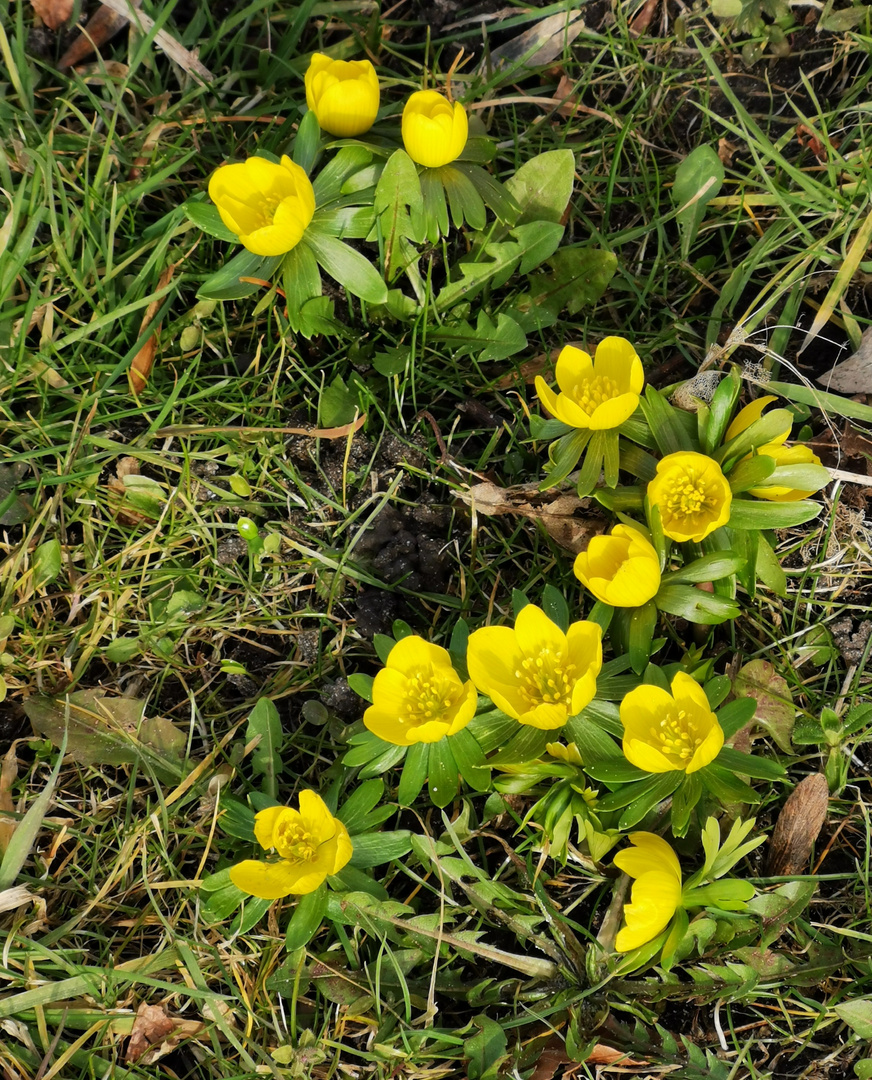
{"x":621,"y":569}
{"x":312,"y":845}
{"x":656,"y":894}
{"x":418,"y":697}
{"x":782,"y":454}
{"x":434,"y":130}
{"x":692,"y":494}
{"x":535,"y":672}
{"x":596,"y":394}
{"x":268,"y":206}
{"x":666,"y":732}
{"x":343,"y":94}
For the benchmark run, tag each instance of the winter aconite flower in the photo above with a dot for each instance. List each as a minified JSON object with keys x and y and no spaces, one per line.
{"x":535,"y":672}
{"x":268,"y":206}
{"x":656,"y":894}
{"x":418,"y":697}
{"x":692,"y":494}
{"x":311,"y":843}
{"x":621,"y":569}
{"x":343,"y":94}
{"x":435,"y":130}
{"x":665,"y":732}
{"x":596,"y":394}
{"x":782,"y":454}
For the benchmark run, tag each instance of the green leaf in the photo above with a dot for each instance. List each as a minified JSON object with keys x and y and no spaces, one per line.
{"x":725,"y":787}
{"x":760,"y":768}
{"x":665,"y":423}
{"x":307,"y":918}
{"x":494,"y":195}
{"x":857,"y":1014}
{"x":721,"y":409}
{"x":751,"y":473}
{"x":579,"y":276}
{"x":563,"y":455}
{"x":121,"y":650}
{"x":489,"y":340}
{"x":470,"y":760}
{"x":344,"y":164}
{"x":695,"y":605}
{"x":807,"y":477}
{"x":366,"y":747}
{"x":415,"y":769}
{"x":206,"y":217}
{"x":307,"y":142}
{"x":735,"y":714}
{"x":645,"y":793}
{"x":643,"y":622}
{"x":526,"y":744}
{"x":361,"y":685}
{"x":698,"y":180}
{"x":442,"y":779}
{"x":768,"y":568}
{"x":399,"y":206}
{"x":555,"y":607}
{"x":684,"y":800}
{"x":226,"y":283}
{"x":832,"y":404}
{"x":264,"y":724}
{"x":301,"y":280}
{"x":660,"y":789}
{"x":767,"y":429}
{"x":709,"y":568}
{"x":347,"y":266}
{"x":485,"y":1052}
{"x":390,"y":362}
{"x":46,"y":563}
{"x":750,"y":514}
{"x":338,"y":404}
{"x":464,"y":201}
{"x":779,"y":909}
{"x":542,"y":186}
{"x":495,"y":262}
{"x":435,"y":206}
{"x":373,"y":849}
{"x":355,"y":810}
{"x":614,"y":771}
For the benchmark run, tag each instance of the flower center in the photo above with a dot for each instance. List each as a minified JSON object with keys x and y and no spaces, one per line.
{"x":546,"y":680}
{"x":265,"y":207}
{"x":429,"y":697}
{"x":676,"y":737}
{"x":594,"y":391}
{"x":687,"y":497}
{"x":294,"y":841}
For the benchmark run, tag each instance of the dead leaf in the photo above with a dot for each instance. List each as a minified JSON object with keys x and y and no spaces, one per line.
{"x":543,"y":364}
{"x":140,"y":367}
{"x":607,"y":1055}
{"x":643,"y":20}
{"x":8,"y":776}
{"x":799,"y":823}
{"x":809,"y":139}
{"x":108,"y":730}
{"x":854,"y":375}
{"x":775,"y":712}
{"x":127,"y":466}
{"x":556,"y":511}
{"x":16,"y":897}
{"x":544,"y":41}
{"x":155,"y":1034}
{"x":725,"y":151}
{"x":103,"y":25}
{"x":54,"y":13}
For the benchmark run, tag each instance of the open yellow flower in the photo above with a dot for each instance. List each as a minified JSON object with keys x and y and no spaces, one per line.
{"x":268,"y":206}
{"x":783,"y":455}
{"x":535,"y":672}
{"x":596,"y":394}
{"x":621,"y":569}
{"x":693,"y":495}
{"x":312,"y":845}
{"x":656,"y":894}
{"x":343,"y":94}
{"x":664,"y":732}
{"x":418,"y":696}
{"x":435,"y":130}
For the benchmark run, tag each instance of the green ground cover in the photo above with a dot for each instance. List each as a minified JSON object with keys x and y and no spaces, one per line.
{"x":223,"y":502}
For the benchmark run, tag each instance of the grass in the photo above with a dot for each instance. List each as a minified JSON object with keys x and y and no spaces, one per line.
{"x":157,"y":599}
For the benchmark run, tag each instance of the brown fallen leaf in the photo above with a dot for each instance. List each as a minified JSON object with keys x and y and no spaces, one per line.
{"x":103,"y":25}
{"x":556,"y":510}
{"x":725,"y":151}
{"x":801,"y":819}
{"x":537,"y":46}
{"x":854,"y":375}
{"x":54,"y":13}
{"x":775,"y":712}
{"x":643,"y":20}
{"x":808,"y":138}
{"x":155,"y":1034}
{"x":140,"y":366}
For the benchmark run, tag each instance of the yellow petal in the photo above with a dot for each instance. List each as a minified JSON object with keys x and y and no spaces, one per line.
{"x":386,"y":725}
{"x":347,"y":109}
{"x":271,"y":881}
{"x":317,"y":819}
{"x":642,"y":708}
{"x":616,"y":358}
{"x":466,"y":707}
{"x":612,"y":413}
{"x":573,"y":366}
{"x":536,"y":633}
{"x":707,"y":750}
{"x":264,"y":825}
{"x":344,"y":848}
{"x":546,"y":717}
{"x":643,"y":755}
{"x":432,"y":731}
{"x":655,"y":899}
{"x":649,"y":852}
{"x":413,"y":654}
{"x":748,"y":416}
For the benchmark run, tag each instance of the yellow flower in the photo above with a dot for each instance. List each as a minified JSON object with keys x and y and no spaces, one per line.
{"x":268,"y":206}
{"x":783,"y":455}
{"x":621,"y":569}
{"x":664,"y":732}
{"x":343,"y":94}
{"x":693,"y":495}
{"x":656,"y":894}
{"x":570,"y":753}
{"x":535,"y":672}
{"x":435,"y":130}
{"x":311,"y":842}
{"x":418,"y":696}
{"x":596,"y":394}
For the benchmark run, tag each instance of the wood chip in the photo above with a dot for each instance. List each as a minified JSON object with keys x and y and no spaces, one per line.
{"x":798,"y":825}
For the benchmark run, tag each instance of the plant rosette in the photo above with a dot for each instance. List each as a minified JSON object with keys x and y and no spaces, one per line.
{"x":720,"y":482}
{"x":624,"y":572}
{"x":657,"y":917}
{"x":306,"y":850}
{"x":596,"y":399}
{"x":420,"y":710}
{"x":673,"y":745}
